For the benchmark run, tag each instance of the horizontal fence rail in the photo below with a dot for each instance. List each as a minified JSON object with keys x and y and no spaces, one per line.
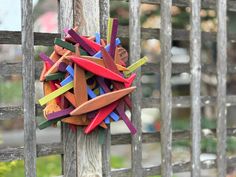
{"x":206,"y":4}
{"x":16,"y":153}
{"x":13,"y":112}
{"x":47,"y":39}
{"x":14,"y":68}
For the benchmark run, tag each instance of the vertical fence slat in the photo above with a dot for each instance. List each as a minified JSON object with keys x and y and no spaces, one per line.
{"x":135,"y":50}
{"x":195,"y":65}
{"x":68,"y":137}
{"x":221,"y":86}
{"x":28,"y":73}
{"x":89,"y":151}
{"x":106,"y":148}
{"x":166,"y":94}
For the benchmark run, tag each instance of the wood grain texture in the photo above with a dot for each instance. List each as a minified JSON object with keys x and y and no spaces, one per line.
{"x":68,"y":136}
{"x":28,"y":75}
{"x":195,"y":87}
{"x":14,"y":68}
{"x":16,"y":153}
{"x":208,"y":4}
{"x":47,"y":39}
{"x":177,"y":168}
{"x":89,"y":159}
{"x":221,"y":109}
{"x":166,"y":94}
{"x":14,"y":112}
{"x":134,"y":55}
{"x":104,"y":6}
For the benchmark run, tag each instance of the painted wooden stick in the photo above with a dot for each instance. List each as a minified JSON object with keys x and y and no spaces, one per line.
{"x":44,"y":57}
{"x":98,"y":38}
{"x":55,"y":76}
{"x":119,"y":108}
{"x":136,"y":65}
{"x":109,"y":26}
{"x":109,"y":63}
{"x":60,"y":113}
{"x":54,"y":68}
{"x":99,"y":53}
{"x":113,"y":37}
{"x":100,"y":71}
{"x":101,"y":115}
{"x":75,"y":120}
{"x":56,"y":93}
{"x":82,"y":43}
{"x":101,"y":101}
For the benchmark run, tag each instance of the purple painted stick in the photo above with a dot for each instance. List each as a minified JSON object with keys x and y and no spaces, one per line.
{"x":44,"y":57}
{"x":120,"y":108}
{"x":81,"y":42}
{"x":62,"y":67}
{"x":113,"y":37}
{"x":59,"y":114}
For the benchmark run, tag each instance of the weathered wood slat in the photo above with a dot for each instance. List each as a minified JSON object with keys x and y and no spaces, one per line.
{"x":14,"y":37}
{"x":13,"y":112}
{"x":69,"y":138}
{"x":206,"y":4}
{"x":14,"y":68}
{"x":134,"y":55}
{"x":47,"y":39}
{"x":177,"y":168}
{"x":221,"y":109}
{"x":195,"y":87}
{"x":106,"y":147}
{"x":17,"y":153}
{"x":166,"y":93}
{"x":28,"y":73}
{"x":88,"y":149}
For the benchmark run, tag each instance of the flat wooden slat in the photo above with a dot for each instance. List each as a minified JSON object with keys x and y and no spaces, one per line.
{"x":13,"y":112}
{"x":177,"y":168}
{"x":27,"y":40}
{"x":166,"y":94}
{"x":47,"y":39}
{"x":89,"y":151}
{"x":69,"y":139}
{"x":221,"y":109}
{"x":134,"y":55}
{"x":195,"y":87}
{"x":206,"y":4}
{"x":106,"y":147}
{"x":17,"y":153}
{"x":14,"y":37}
{"x":14,"y":68}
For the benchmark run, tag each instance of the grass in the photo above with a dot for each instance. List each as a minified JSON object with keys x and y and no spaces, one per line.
{"x":46,"y":167}
{"x":10,"y":91}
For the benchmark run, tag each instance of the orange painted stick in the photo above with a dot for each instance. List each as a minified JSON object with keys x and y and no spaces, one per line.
{"x":101,"y":101}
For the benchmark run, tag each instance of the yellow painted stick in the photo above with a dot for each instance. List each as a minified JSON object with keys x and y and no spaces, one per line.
{"x":136,"y":65}
{"x":56,"y":93}
{"x":109,"y":28}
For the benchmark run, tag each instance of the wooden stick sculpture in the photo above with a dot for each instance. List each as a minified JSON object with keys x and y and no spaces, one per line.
{"x":91,"y":75}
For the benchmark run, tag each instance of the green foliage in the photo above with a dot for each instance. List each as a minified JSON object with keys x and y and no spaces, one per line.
{"x":10,"y":91}
{"x":46,"y":167}
{"x":117,"y":162}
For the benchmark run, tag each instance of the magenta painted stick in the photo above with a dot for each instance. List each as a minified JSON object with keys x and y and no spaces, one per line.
{"x":119,"y":108}
{"x":59,"y":114}
{"x":44,"y":57}
{"x":81,"y":42}
{"x":113,"y":37}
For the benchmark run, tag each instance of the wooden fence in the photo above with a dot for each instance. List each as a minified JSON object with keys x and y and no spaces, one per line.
{"x":74,"y":147}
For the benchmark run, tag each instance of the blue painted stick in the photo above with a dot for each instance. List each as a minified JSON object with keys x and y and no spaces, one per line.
{"x":107,"y":48}
{"x":91,"y":94}
{"x":98,"y":38}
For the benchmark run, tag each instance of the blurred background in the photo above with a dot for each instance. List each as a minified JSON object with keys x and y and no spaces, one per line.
{"x":45,"y":20}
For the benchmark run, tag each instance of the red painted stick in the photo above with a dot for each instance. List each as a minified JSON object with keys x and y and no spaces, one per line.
{"x":100,"y":71}
{"x":102,"y":114}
